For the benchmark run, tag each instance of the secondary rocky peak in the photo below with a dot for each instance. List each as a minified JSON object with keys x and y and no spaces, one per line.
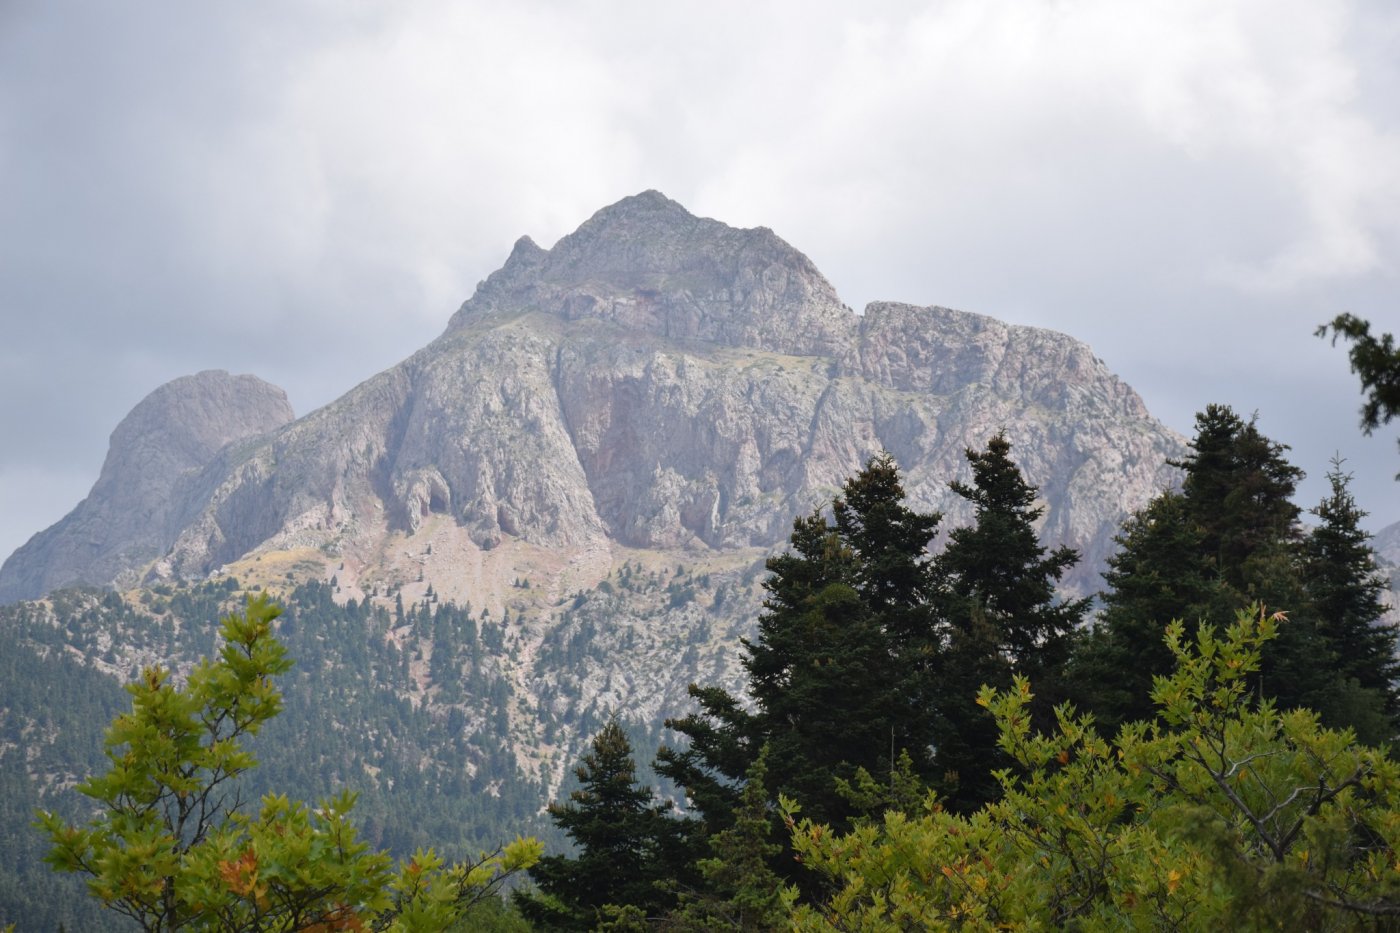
{"x":153,"y":459}
{"x":182,"y":424}
{"x":649,"y":265}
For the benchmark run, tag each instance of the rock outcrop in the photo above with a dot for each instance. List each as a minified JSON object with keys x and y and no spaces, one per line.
{"x":143,"y":496}
{"x":654,"y":381}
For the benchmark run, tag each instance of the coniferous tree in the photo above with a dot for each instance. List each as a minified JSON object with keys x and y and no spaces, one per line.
{"x":1238,"y":493}
{"x":1159,"y":573}
{"x":629,"y":847}
{"x":1004,"y":610}
{"x":1345,"y":586}
{"x":743,"y":892}
{"x":840,"y":670}
{"x":999,"y":565}
{"x":1376,"y":360}
{"x":721,"y":737}
{"x":1230,"y":538}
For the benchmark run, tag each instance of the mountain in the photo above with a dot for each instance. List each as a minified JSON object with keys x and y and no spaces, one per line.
{"x":656,"y":383}
{"x":556,"y":512}
{"x":1387,"y":544}
{"x":137,"y":504}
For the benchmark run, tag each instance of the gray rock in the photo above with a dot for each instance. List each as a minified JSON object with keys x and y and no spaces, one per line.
{"x":142,"y":498}
{"x":656,"y":381}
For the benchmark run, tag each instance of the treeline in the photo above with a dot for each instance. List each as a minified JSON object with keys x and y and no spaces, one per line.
{"x":936,"y":739}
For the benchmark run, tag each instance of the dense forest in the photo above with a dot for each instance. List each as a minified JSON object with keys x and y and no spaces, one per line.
{"x":926,"y":739}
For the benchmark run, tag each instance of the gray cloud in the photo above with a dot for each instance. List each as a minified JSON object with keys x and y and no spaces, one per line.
{"x":307,"y":190}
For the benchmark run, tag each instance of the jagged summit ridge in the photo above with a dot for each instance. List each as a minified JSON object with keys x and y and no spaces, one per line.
{"x":649,"y":265}
{"x":654,"y":381}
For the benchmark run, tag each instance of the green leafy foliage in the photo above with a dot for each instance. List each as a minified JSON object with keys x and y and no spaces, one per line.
{"x":440,"y":773}
{"x":1223,"y":814}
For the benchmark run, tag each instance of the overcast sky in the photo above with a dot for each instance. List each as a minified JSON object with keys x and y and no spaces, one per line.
{"x":307,"y":190}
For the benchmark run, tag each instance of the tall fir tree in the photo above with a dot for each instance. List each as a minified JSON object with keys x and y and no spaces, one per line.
{"x":1005,"y":614}
{"x":1158,"y":573}
{"x":1229,"y":538}
{"x":1238,"y":490}
{"x":1345,"y":586}
{"x":631,"y":852}
{"x":999,"y":564}
{"x":742,"y":891}
{"x":840,"y":671}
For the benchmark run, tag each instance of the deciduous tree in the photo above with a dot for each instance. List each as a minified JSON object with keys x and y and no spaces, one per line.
{"x":172,"y":848}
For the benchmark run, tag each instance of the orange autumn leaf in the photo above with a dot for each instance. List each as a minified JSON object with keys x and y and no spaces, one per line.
{"x":241,"y":874}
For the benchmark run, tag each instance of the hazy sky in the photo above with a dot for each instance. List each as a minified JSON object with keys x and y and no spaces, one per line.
{"x":307,"y":190}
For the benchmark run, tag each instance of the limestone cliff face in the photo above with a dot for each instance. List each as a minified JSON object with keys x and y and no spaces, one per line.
{"x":655,"y":381}
{"x":152,"y":470}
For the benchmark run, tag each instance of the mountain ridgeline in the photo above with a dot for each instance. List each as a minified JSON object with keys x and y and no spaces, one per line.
{"x":656,"y":382}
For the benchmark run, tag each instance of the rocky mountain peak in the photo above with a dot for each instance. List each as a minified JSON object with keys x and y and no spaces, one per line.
{"x":155,"y":455}
{"x":655,"y":381}
{"x":649,"y":265}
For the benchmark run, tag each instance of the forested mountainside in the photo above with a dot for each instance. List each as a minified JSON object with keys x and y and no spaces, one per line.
{"x":456,"y":723}
{"x":655,"y":381}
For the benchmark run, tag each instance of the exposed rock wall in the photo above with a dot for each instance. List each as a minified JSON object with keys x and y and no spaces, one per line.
{"x":654,"y":381}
